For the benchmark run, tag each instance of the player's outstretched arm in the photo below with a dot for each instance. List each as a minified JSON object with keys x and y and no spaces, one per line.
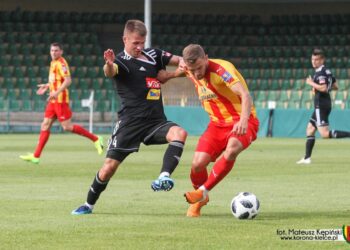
{"x":110,"y":69}
{"x":164,"y":76}
{"x":42,"y":88}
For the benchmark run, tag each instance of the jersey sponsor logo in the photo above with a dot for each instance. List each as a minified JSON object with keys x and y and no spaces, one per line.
{"x":205,"y":94}
{"x":142,"y":68}
{"x":153,"y":94}
{"x":152,"y":83}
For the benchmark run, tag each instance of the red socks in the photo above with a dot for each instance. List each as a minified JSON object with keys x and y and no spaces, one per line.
{"x":220,"y":169}
{"x":83,"y":132}
{"x":198,"y":178}
{"x":45,"y":134}
{"x":43,"y":138}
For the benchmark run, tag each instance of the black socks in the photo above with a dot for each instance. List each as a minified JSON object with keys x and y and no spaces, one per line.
{"x":96,"y":189}
{"x":172,"y":156}
{"x":309,"y":146}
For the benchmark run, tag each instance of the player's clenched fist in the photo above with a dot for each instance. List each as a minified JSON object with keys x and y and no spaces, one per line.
{"x":109,"y":56}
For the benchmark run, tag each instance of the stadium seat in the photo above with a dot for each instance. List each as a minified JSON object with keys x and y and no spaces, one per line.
{"x":18,"y":72}
{"x":284,"y":96}
{"x":7,"y":71}
{"x":39,"y":105}
{"x":74,"y":94}
{"x":273,"y":96}
{"x":92,"y":72}
{"x":22,"y":83}
{"x":26,"y":105}
{"x":32,"y":71}
{"x":343,"y":84}
{"x":264,"y":84}
{"x":14,"y":105}
{"x":275,"y":85}
{"x":84,"y":83}
{"x":298,"y":84}
{"x":80,"y":72}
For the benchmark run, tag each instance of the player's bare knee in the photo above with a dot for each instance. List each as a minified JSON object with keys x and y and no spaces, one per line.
{"x":67,"y":127}
{"x":232,"y":151}
{"x":178,"y":134}
{"x":108,"y":169}
{"x":324,"y":135}
{"x":198,"y":166}
{"x":181,"y":134}
{"x":45,"y":126}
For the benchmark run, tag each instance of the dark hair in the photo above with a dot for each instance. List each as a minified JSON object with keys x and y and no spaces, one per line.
{"x":318,"y":52}
{"x":56,"y":44}
{"x":135,"y":26}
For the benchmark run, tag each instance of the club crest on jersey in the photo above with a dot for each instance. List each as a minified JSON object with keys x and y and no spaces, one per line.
{"x":153,"y":94}
{"x":152,"y":83}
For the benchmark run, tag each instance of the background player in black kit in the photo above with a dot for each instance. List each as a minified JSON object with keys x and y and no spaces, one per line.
{"x":141,"y":117}
{"x":322,"y":83}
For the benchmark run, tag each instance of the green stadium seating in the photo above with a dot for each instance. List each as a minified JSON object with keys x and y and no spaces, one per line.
{"x":343,"y":84}
{"x":22,"y":82}
{"x":284,"y":96}
{"x":275,"y":84}
{"x":298,"y":84}
{"x":273,"y":96}
{"x":14,"y":105}
{"x":39,"y":105}
{"x":27,"y":105}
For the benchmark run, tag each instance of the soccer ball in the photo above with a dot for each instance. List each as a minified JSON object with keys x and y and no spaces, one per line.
{"x":245,"y":205}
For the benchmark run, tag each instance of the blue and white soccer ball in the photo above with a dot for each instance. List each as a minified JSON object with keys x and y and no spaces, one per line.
{"x":245,"y":205}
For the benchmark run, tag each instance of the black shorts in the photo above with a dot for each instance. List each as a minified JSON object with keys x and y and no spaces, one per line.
{"x":319,"y":117}
{"x":128,"y":135}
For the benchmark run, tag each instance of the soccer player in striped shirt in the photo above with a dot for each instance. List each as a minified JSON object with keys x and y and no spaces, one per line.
{"x":233,"y":124}
{"x":57,"y":107}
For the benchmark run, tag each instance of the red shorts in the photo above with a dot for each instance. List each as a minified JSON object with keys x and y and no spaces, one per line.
{"x":214,"y":140}
{"x":61,"y":111}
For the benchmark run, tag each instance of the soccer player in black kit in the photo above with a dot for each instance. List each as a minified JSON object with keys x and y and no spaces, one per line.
{"x":322,"y":83}
{"x":141,"y":117}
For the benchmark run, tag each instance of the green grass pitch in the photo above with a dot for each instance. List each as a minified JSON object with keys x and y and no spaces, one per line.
{"x":36,"y":200}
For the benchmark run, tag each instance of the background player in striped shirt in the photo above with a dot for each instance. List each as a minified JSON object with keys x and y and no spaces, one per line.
{"x":233,"y":123}
{"x":58,"y":105}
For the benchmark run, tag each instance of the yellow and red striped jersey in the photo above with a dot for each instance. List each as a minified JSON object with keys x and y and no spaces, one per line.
{"x":219,"y":101}
{"x":58,"y":71}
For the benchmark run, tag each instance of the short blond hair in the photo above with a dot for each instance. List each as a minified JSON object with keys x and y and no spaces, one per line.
{"x":192,"y":52}
{"x":135,"y":26}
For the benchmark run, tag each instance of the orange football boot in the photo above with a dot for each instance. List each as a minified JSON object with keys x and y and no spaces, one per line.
{"x":195,"y":209}
{"x":194,"y":196}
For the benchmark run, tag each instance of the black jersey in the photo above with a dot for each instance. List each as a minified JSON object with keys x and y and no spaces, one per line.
{"x":137,"y":84}
{"x":323,"y":76}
